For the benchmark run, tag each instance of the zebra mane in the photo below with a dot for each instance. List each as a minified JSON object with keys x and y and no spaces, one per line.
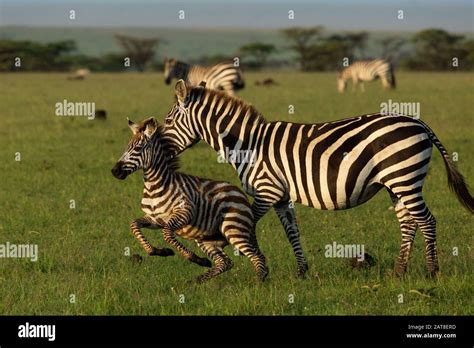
{"x":256,"y":117}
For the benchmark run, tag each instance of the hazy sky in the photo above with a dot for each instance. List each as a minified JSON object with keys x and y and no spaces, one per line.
{"x":453,"y":15}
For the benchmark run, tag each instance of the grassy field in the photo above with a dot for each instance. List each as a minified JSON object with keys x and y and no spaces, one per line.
{"x":81,"y":250}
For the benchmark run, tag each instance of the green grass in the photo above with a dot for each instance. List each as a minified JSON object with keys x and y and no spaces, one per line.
{"x":81,"y":251}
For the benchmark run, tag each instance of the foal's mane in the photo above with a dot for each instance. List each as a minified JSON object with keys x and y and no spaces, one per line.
{"x":166,"y":146}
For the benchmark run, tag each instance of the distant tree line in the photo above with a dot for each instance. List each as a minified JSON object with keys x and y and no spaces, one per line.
{"x":435,"y":49}
{"x":313,"y":50}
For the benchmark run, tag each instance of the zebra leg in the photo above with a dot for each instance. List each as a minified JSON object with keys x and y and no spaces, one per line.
{"x":385,"y":83}
{"x":222,"y":262}
{"x":260,"y":207}
{"x":355,"y":83}
{"x":287,"y":217}
{"x":169,"y":237}
{"x":408,"y":227}
{"x":245,"y":241}
{"x":146,"y":222}
{"x":427,"y":224}
{"x":362,"y":87}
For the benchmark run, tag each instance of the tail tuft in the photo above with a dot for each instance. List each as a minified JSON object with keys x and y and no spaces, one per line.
{"x":458,"y":185}
{"x":456,"y":180}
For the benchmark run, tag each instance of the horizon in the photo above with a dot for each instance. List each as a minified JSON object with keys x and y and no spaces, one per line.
{"x":455,"y":16}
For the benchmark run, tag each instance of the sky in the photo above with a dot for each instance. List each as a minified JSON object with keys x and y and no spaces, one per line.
{"x":451,"y":15}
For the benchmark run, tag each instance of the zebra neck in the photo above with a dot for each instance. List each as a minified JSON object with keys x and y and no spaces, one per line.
{"x":183,"y":71}
{"x":346,"y":73}
{"x":232,"y":139}
{"x":159,"y":172}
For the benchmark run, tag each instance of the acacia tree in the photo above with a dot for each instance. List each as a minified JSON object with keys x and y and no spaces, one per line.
{"x":140,"y":50}
{"x":357,"y":42}
{"x":302,"y":40}
{"x":391,"y":47}
{"x":258,"y":51}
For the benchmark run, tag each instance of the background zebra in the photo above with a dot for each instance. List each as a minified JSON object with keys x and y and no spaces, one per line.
{"x":367,"y":70}
{"x":330,"y":166}
{"x":212,"y":213}
{"x":223,"y":76}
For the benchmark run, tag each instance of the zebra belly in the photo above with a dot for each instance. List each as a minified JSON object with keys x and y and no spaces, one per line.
{"x":197,"y":233}
{"x":367,"y":77}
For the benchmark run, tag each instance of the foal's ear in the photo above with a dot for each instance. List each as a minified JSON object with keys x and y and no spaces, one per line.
{"x":133,"y":126}
{"x":202,"y":84}
{"x":151,"y":124}
{"x":181,"y":90}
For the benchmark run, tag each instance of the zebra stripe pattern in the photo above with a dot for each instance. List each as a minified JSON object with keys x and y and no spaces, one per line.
{"x":366,"y":71}
{"x":329,"y":166}
{"x":224,"y":76}
{"x":212,"y":213}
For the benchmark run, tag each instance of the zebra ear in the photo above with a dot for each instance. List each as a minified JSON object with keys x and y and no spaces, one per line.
{"x":150,"y":127}
{"x":181,"y":90}
{"x":134,"y":127}
{"x":202,"y":84}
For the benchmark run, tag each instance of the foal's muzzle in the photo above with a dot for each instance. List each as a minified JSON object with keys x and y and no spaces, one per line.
{"x":118,"y":171}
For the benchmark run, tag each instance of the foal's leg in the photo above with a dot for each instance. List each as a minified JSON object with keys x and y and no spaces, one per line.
{"x":222,"y":262}
{"x":146,"y":222}
{"x":169,"y":237}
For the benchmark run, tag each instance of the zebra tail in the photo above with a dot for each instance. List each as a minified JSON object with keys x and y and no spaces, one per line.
{"x":456,"y":180}
{"x":393,"y":83}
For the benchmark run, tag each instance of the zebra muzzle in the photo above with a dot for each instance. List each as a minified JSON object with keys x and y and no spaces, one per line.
{"x":118,"y":171}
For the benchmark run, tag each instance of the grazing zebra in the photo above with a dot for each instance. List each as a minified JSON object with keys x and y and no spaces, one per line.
{"x":224,"y":76}
{"x":329,"y":166}
{"x":367,"y":70}
{"x":212,"y":213}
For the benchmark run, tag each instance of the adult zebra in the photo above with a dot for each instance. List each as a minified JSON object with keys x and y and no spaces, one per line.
{"x":367,"y":70}
{"x":212,"y":213}
{"x":223,"y":76}
{"x":330,"y":166}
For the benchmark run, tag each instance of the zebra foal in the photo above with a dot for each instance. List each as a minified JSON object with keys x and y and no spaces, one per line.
{"x":212,"y":213}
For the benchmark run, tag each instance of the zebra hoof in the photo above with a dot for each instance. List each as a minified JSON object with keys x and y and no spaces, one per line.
{"x":202,"y":261}
{"x":433,"y":273}
{"x":301,"y":271}
{"x":161,"y":252}
{"x":200,"y":280}
{"x":262,"y":276}
{"x":398,"y":274}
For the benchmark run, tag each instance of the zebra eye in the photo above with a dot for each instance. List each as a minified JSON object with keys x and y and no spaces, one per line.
{"x":169,"y":121}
